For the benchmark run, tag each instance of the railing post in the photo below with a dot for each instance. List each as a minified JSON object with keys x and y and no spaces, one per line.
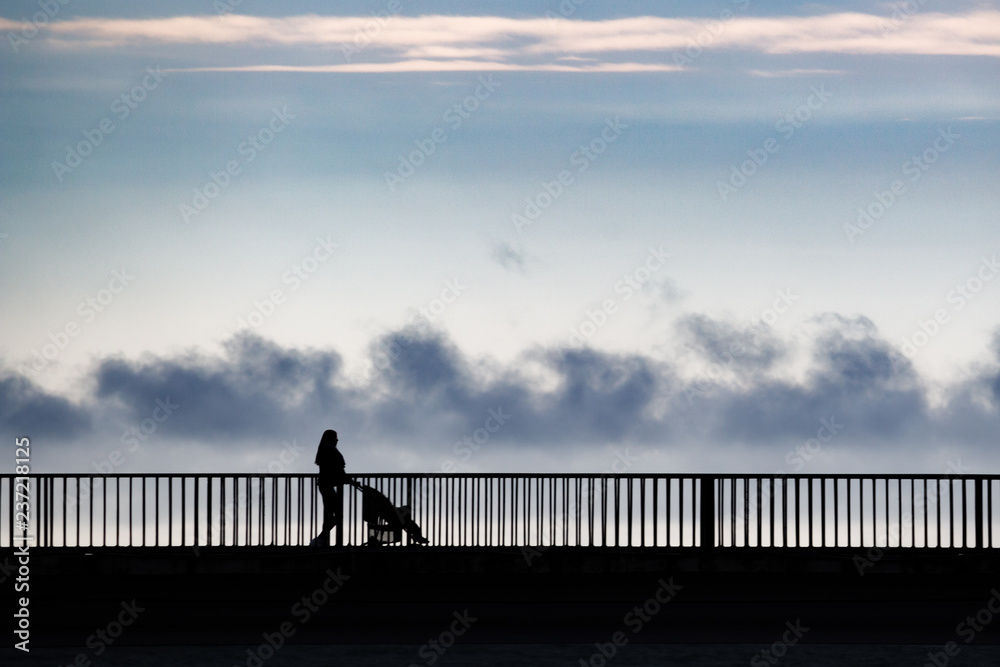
{"x":339,"y":524}
{"x":979,"y":513}
{"x":707,"y":517}
{"x":10,"y":511}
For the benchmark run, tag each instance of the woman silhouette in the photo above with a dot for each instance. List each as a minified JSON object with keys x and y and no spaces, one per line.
{"x":331,"y":478}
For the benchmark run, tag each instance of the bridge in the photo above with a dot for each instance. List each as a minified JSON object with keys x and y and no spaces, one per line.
{"x":221,"y":558}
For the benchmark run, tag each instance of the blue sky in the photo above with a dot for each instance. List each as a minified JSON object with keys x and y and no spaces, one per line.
{"x":690,"y":233}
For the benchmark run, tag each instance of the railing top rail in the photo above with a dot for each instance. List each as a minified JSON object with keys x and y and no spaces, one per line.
{"x":512,"y":475}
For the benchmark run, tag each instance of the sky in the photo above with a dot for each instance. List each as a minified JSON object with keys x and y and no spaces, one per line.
{"x":501,"y":236}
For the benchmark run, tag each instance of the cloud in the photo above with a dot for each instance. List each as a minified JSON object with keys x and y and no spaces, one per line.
{"x":508,"y":256}
{"x":26,"y":410}
{"x":492,"y":43}
{"x":854,"y":378}
{"x":256,"y":389}
{"x":421,"y":393}
{"x":439,"y":66}
{"x":796,"y":72}
{"x":667,"y":290}
{"x":747,"y":349}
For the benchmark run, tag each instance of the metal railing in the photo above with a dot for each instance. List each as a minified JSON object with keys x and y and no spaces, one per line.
{"x":915,"y":511}
{"x":485,"y":510}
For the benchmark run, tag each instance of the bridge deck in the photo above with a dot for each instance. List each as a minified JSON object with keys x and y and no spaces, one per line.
{"x":562,"y":594}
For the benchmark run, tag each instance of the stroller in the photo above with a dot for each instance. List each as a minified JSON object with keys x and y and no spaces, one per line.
{"x":386,"y":522}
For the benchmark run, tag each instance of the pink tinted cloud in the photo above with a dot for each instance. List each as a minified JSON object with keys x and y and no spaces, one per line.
{"x":440,"y":43}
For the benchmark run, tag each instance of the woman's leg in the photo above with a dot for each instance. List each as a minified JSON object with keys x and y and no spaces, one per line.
{"x":329,"y":499}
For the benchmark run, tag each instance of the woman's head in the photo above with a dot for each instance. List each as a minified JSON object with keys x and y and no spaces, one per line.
{"x":329,"y":438}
